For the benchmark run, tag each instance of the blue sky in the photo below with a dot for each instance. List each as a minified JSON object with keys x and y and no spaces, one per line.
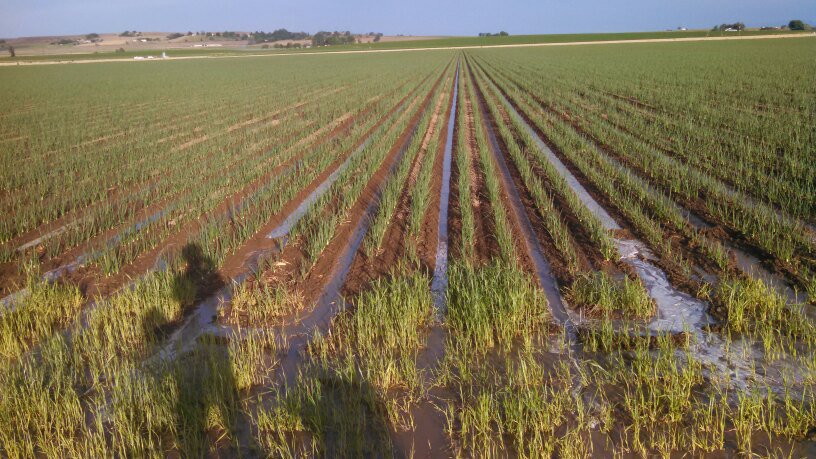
{"x":415,"y":17}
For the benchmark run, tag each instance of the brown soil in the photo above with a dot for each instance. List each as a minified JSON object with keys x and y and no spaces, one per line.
{"x":234,"y":264}
{"x":175,"y":136}
{"x":524,"y":258}
{"x":289,"y":110}
{"x":550,"y":252}
{"x":587,"y":259}
{"x":664,"y":146}
{"x":289,"y":261}
{"x":86,"y":275}
{"x":322,"y":268}
{"x":190,"y":143}
{"x":485,"y":245}
{"x":429,"y":238}
{"x":95,"y":284}
{"x":10,"y":278}
{"x":366,"y":269}
{"x":454,"y":210}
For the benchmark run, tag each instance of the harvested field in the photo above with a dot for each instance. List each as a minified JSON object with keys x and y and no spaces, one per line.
{"x":539,"y":252}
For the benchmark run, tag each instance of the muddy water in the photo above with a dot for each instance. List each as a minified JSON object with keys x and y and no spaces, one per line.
{"x":675,"y":309}
{"x":579,"y":190}
{"x":330,"y":303}
{"x":752,"y":266}
{"x":440,"y":276}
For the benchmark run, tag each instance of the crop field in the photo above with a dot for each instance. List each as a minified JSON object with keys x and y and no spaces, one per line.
{"x":540,"y":252}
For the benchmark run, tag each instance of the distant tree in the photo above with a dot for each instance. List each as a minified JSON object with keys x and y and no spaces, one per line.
{"x":91,"y":36}
{"x":174,"y":35}
{"x":278,"y":35}
{"x":377,"y":37}
{"x":120,"y":50}
{"x":734,"y":26}
{"x":797,"y":24}
{"x":189,"y":33}
{"x":11,"y":51}
{"x":324,"y":38}
{"x":503,"y":34}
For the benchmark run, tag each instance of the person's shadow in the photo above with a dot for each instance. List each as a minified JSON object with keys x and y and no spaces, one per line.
{"x":208,"y":416}
{"x":343,"y":413}
{"x":197,"y":278}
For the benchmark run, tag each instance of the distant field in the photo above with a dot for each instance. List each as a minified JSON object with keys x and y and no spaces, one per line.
{"x":400,"y":44}
{"x":554,"y":38}
{"x":565,"y":251}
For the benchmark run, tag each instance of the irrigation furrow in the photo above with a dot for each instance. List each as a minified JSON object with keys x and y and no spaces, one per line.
{"x":541,"y":266}
{"x":676,"y":309}
{"x":232,"y":165}
{"x":681,"y":313}
{"x":440,"y":278}
{"x":228,"y":206}
{"x":201,"y":320}
{"x":290,"y":110}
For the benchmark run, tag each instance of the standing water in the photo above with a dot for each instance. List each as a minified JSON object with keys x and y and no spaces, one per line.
{"x":675,"y":309}
{"x":440,"y":278}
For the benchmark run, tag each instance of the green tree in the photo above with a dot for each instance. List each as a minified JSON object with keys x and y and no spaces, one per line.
{"x":797,"y":24}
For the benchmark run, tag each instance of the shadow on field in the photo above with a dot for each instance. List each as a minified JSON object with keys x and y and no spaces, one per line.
{"x":341,"y":413}
{"x":208,"y":417}
{"x":199,"y":276}
{"x":344,"y":415}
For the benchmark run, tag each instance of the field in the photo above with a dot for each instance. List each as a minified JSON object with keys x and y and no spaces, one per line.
{"x":568,"y":251}
{"x":32,"y":51}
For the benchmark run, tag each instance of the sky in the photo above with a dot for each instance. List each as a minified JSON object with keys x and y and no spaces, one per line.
{"x":409,"y":17}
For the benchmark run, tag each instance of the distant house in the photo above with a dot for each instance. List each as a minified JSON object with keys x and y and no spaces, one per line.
{"x":730,"y":29}
{"x":682,"y":29}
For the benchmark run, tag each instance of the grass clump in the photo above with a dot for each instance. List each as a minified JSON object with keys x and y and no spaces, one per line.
{"x":45,"y":309}
{"x":493,"y":306}
{"x":359,"y":379}
{"x":600,"y":295}
{"x":755,"y":309}
{"x":384,"y":332}
{"x":262,"y":304}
